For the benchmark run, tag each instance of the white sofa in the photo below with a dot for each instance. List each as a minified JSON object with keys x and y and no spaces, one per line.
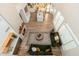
{"x":25,"y":16}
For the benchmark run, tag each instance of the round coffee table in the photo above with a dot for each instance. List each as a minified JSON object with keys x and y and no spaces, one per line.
{"x":39,"y":36}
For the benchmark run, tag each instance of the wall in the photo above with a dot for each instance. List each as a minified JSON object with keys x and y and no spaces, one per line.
{"x":20,"y":6}
{"x":71,"y":15}
{"x":10,"y":13}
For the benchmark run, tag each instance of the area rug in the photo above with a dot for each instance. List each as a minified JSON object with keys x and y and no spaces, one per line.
{"x":46,"y":38}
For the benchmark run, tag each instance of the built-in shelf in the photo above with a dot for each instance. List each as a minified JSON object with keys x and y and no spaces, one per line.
{"x":22,"y":30}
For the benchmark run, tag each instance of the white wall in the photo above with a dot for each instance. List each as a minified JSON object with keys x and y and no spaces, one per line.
{"x":71,"y":16}
{"x":20,"y":6}
{"x":10,"y":13}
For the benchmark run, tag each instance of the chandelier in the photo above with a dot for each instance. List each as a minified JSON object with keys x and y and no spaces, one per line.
{"x":39,"y":6}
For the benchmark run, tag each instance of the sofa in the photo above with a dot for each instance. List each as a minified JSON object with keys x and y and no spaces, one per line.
{"x":43,"y":49}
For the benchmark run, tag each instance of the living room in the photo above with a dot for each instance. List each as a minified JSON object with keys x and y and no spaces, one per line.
{"x":32,"y":36}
